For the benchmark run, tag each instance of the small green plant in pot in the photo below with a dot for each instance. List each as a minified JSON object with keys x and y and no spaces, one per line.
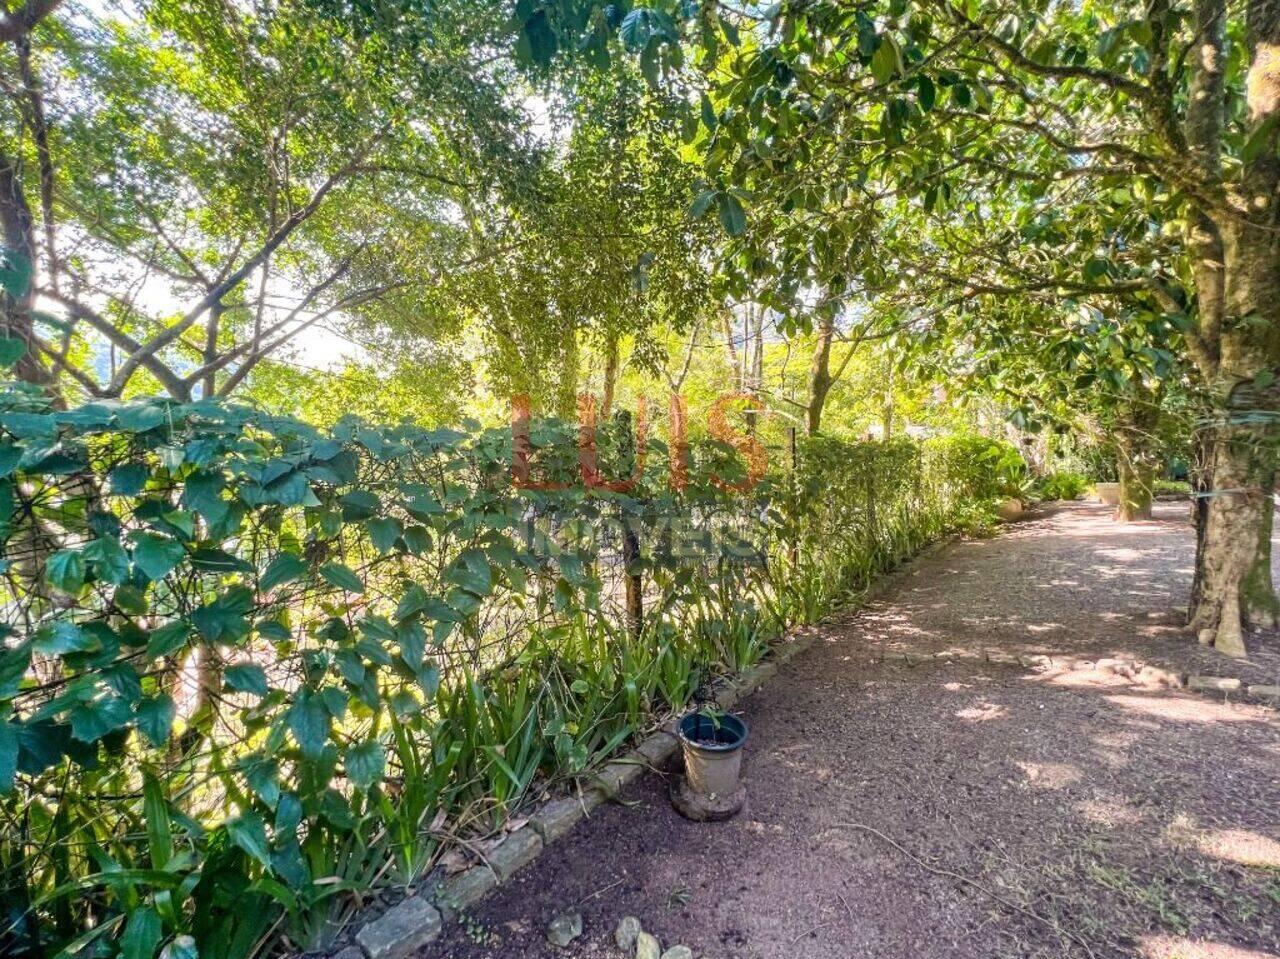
{"x":711,"y":788}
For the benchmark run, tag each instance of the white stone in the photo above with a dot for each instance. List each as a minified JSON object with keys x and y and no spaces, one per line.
{"x":626,"y":934}
{"x":647,"y":947}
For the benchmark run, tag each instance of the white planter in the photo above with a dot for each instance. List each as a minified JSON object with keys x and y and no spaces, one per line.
{"x":1107,"y":493}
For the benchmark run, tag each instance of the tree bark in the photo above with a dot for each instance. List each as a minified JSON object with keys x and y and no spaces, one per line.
{"x":1136,"y":476}
{"x":212,"y":327}
{"x":887,"y":409}
{"x":1236,"y":256}
{"x":820,"y":375}
{"x":1135,"y":452}
{"x":15,"y":306}
{"x":610,"y":376}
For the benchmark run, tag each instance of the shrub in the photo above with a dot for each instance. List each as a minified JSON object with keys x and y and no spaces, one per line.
{"x":979,"y":468}
{"x":1063,"y":486}
{"x":249,"y":669}
{"x":1166,"y":487}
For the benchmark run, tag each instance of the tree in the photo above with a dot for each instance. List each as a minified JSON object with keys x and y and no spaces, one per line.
{"x":1169,"y":109}
{"x":207,"y":181}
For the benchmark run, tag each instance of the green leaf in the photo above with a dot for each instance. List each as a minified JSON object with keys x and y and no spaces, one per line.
{"x":142,"y":934}
{"x":709,"y":119}
{"x":636,"y":28}
{"x":155,"y":718}
{"x":413,"y":642}
{"x":1096,"y":268}
{"x":471,"y":572}
{"x":359,"y":505}
{"x":65,"y":570}
{"x":429,"y":679}
{"x":141,"y":417}
{"x":732,"y":216}
{"x":159,"y":830}
{"x":885,"y":62}
{"x":31,"y":426}
{"x":16,"y":271}
{"x":11,"y":351}
{"x":64,"y":637}
{"x":365,"y":763}
{"x":246,"y":678}
{"x":1259,"y":139}
{"x":701,"y":204}
{"x":109,"y":560}
{"x":10,"y":454}
{"x":417,"y":539}
{"x":413,"y":601}
{"x":224,"y":619}
{"x":309,"y":723}
{"x":168,"y":638}
{"x":926,"y":93}
{"x":249,"y":832}
{"x":203,"y":495}
{"x":128,"y":479}
{"x":8,"y":754}
{"x":156,"y":555}
{"x":91,"y":721}
{"x":210,"y":559}
{"x":285,"y":568}
{"x":383,"y":532}
{"x":342,"y":576}
{"x":537,"y":41}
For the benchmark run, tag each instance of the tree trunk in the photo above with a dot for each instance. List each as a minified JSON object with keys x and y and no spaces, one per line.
{"x":1135,"y":452}
{"x":1238,"y":335}
{"x":888,"y":407}
{"x":753,"y":361}
{"x":1136,"y":476}
{"x":1235,"y":587}
{"x":820,"y":375}
{"x":211,"y":330}
{"x":16,"y":304}
{"x":610,"y":376}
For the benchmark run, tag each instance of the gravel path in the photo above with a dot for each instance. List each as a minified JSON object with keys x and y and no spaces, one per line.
{"x":960,"y":809}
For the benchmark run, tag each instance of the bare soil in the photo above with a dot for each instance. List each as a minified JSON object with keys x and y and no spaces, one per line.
{"x":960,"y":809}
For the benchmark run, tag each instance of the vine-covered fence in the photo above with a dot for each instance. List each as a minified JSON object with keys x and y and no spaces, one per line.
{"x":250,"y":671}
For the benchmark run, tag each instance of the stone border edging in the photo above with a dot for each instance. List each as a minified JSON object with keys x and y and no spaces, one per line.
{"x":421,"y":916}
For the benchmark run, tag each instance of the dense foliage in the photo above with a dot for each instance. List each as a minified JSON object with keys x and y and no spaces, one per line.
{"x":251,"y":669}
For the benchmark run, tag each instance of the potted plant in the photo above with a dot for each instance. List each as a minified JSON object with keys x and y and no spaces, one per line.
{"x":711,"y":788}
{"x":1009,"y":479}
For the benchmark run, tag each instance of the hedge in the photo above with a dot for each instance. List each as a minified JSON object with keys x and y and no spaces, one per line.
{"x":250,"y":671}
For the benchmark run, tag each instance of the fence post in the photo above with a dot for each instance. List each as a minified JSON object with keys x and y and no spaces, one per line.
{"x":631,"y":538}
{"x":794,"y":552}
{"x":635,"y":587}
{"x":871,"y":505}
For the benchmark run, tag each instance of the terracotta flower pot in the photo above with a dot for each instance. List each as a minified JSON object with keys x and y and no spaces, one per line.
{"x":1009,"y":509}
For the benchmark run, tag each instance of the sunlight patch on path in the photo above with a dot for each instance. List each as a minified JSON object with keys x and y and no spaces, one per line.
{"x":1176,"y":947}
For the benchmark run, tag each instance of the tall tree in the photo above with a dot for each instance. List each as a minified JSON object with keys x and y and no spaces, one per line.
{"x":201,"y":184}
{"x":1168,"y":111}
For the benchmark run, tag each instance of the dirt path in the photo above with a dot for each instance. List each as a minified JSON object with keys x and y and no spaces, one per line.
{"x":1087,"y":815}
